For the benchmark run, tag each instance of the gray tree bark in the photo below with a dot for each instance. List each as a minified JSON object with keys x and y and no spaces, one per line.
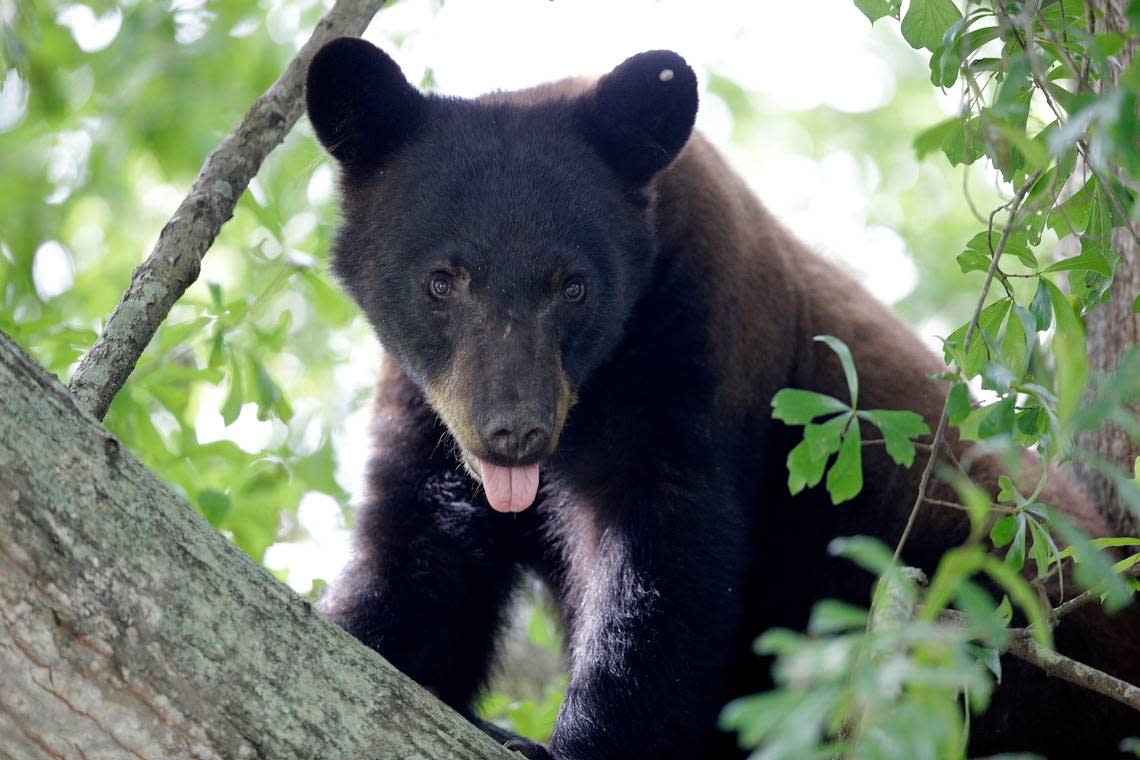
{"x":129,"y":628}
{"x":1113,"y":327}
{"x":176,"y":259}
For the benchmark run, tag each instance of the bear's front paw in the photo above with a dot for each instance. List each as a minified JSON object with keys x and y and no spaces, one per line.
{"x":530,"y":750}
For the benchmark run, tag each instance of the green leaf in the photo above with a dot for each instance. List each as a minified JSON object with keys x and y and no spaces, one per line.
{"x":999,"y":420}
{"x":175,"y":334}
{"x":877,"y":9}
{"x":1023,"y":594}
{"x":988,"y":322}
{"x":1030,"y":421}
{"x":832,"y":616}
{"x":808,"y":459}
{"x":1035,"y":154}
{"x":926,"y":22}
{"x":1019,"y":341}
{"x":979,"y":36}
{"x":1005,"y":611}
{"x":945,"y":64}
{"x":958,"y":403}
{"x":823,"y":439}
{"x":980,"y":611}
{"x":977,"y":504}
{"x":988,"y":656}
{"x":805,"y":469}
{"x":956,"y":566}
{"x":898,"y":428}
{"x":217,"y":347}
{"x":214,"y":505}
{"x":1003,"y":530}
{"x":1130,"y":78}
{"x":1069,"y":349}
{"x":845,"y":478}
{"x":931,"y":138}
{"x":1136,"y":305}
{"x":1042,"y":307}
{"x":231,"y":408}
{"x":998,"y":377}
{"x":1093,"y":567}
{"x":798,"y":407}
{"x":1109,"y":43}
{"x":1072,"y":216}
{"x":1007,"y":491}
{"x":270,"y":399}
{"x":966,"y":144}
{"x":1016,"y":244}
{"x":840,"y":348}
{"x":1040,"y":551}
{"x":1091,"y":260}
{"x":972,"y":261}
{"x":867,"y":552}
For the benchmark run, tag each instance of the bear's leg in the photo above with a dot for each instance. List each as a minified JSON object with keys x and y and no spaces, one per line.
{"x":429,"y":582}
{"x":652,"y":592}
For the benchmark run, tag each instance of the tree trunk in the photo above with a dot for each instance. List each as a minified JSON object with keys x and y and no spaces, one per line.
{"x":129,"y":628}
{"x":1113,"y":327}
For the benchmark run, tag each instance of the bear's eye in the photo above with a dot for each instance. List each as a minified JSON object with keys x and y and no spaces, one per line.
{"x":574,"y":290}
{"x":441,"y":286}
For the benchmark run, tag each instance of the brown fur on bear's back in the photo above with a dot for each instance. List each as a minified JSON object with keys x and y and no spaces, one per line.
{"x":770,"y":296}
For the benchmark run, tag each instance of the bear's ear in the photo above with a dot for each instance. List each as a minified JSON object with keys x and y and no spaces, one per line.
{"x":641,"y":114}
{"x":359,"y":102}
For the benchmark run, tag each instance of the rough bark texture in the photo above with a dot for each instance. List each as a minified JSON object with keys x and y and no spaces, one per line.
{"x":174,"y":263}
{"x":1113,"y":327}
{"x":129,"y":628}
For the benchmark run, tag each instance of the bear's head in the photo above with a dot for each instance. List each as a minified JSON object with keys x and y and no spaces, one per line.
{"x":498,"y":245}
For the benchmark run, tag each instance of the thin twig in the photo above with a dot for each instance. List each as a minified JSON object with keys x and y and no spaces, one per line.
{"x":963,"y":508}
{"x":176,"y":259}
{"x":1093,"y":594}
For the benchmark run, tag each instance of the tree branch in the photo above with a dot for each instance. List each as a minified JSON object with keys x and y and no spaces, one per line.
{"x":1068,"y":669}
{"x":1022,"y":646}
{"x":175,"y":261}
{"x":130,"y":628}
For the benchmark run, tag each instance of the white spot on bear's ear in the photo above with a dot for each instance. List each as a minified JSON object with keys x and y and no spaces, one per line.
{"x":665,"y":75}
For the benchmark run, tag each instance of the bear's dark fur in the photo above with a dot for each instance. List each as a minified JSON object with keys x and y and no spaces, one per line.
{"x":568,"y":282}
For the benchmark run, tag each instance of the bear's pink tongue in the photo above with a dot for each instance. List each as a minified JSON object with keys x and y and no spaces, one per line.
{"x":509,"y":489}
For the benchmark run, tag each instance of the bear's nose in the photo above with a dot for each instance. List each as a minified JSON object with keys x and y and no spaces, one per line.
{"x":515,"y":439}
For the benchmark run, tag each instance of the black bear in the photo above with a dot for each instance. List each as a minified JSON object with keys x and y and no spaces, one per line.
{"x":586,"y":314}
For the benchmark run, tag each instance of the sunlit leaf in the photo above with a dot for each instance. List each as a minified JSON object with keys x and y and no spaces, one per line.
{"x":844,"y":353}
{"x":926,"y":22}
{"x":845,"y":478}
{"x":877,"y":9}
{"x":797,"y":407}
{"x":898,"y":428}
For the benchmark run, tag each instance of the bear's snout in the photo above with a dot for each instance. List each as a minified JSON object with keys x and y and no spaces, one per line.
{"x":516,"y":435}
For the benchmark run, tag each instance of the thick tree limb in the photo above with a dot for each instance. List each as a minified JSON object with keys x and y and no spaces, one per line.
{"x":174,"y":263}
{"x":129,"y":628}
